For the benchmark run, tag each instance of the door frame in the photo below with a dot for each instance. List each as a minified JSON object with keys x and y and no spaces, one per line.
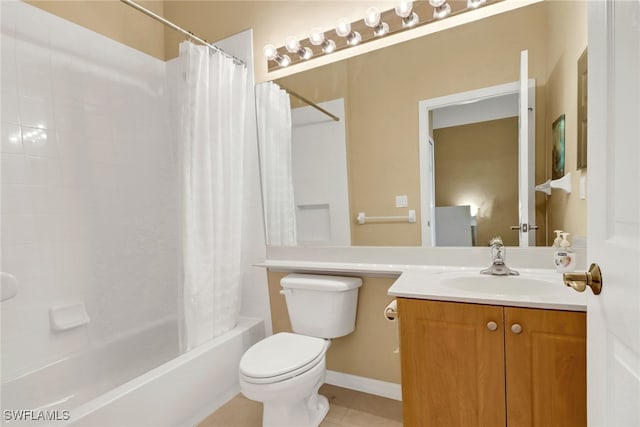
{"x":425,"y":133}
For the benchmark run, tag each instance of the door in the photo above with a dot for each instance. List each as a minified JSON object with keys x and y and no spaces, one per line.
{"x":526,"y":155}
{"x":427,"y":193}
{"x":613,"y":199}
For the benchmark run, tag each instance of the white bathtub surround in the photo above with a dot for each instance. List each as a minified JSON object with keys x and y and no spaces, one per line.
{"x":91,"y":214}
{"x":213,"y":162}
{"x":181,"y":391}
{"x":274,"y":127}
{"x":89,"y":191}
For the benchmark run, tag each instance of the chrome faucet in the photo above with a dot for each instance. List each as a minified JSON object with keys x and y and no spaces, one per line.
{"x":498,"y":253}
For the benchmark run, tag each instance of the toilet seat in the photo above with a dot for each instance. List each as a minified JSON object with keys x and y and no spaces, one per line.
{"x":280,"y":357}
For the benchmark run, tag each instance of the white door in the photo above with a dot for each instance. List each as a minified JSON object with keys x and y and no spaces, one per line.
{"x":526,"y":155}
{"x":613,"y":200}
{"x":427,"y":193}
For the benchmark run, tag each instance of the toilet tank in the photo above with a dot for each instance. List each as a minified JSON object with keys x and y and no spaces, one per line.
{"x":321,"y":306}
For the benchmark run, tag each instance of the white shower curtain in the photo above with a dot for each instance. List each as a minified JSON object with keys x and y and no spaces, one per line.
{"x":274,"y":136}
{"x":212,"y":138}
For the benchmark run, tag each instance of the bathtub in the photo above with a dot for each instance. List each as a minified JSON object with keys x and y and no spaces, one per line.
{"x":181,"y":391}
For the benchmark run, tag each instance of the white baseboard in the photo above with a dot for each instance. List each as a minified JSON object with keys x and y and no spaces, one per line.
{"x":365,"y":385}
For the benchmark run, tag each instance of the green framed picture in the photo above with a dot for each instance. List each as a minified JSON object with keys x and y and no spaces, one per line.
{"x":557,"y":150}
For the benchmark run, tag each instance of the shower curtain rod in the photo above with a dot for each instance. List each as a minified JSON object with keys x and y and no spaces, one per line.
{"x":217,"y":49}
{"x":309,"y":103}
{"x":189,"y":34}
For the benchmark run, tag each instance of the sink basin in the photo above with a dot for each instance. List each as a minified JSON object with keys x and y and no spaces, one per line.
{"x":501,"y":285}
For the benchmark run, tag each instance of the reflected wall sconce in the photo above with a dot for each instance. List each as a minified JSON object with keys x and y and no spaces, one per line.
{"x":375,"y":24}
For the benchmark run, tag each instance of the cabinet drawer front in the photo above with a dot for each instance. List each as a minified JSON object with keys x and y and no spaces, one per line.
{"x":452,"y":364}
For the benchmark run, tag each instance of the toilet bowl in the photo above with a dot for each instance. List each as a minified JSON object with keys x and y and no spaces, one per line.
{"x":284,"y":372}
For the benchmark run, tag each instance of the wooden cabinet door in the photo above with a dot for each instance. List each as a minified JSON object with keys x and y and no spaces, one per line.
{"x":546,"y":368}
{"x":452,"y":364}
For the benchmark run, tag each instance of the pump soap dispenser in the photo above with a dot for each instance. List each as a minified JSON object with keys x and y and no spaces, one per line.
{"x":565,"y":258}
{"x":558,"y":239}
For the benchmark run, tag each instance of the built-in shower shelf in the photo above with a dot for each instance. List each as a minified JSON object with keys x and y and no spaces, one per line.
{"x":67,"y":317}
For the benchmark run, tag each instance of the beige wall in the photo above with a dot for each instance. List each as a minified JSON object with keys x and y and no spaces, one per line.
{"x":369,"y":350}
{"x":478,"y":163}
{"x":567,"y":28}
{"x":114,"y":20}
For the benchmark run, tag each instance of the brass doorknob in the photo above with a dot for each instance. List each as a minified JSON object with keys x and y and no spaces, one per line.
{"x":580,"y":281}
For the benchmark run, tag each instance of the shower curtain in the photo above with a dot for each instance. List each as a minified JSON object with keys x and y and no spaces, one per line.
{"x":212,"y":138}
{"x":274,"y":135}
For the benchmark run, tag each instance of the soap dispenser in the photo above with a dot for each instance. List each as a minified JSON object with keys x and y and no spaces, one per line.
{"x":565,"y":258}
{"x":558,"y":239}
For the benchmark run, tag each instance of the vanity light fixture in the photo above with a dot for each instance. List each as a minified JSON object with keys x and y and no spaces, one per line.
{"x":353,"y":33}
{"x":404,"y":10}
{"x":317,"y":39}
{"x":474,"y":4}
{"x":372,"y":19}
{"x":271,"y":53}
{"x":343,"y":29}
{"x":293,"y":46}
{"x":441,"y":9}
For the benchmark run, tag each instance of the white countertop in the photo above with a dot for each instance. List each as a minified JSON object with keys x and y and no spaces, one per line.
{"x":428,"y":285}
{"x":434,"y":283}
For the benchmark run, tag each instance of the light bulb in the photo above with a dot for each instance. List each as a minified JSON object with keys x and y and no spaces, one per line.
{"x":404,"y":8}
{"x":353,"y":38}
{"x":292,"y":44}
{"x":410,"y":20}
{"x":436,"y":3}
{"x":305,"y":53}
{"x":343,"y":27}
{"x":381,"y":30}
{"x":328,"y":46}
{"x":284,"y":60}
{"x":270,"y":52}
{"x":473,"y":4}
{"x":316,"y":37}
{"x":442,"y":11}
{"x":372,"y":17}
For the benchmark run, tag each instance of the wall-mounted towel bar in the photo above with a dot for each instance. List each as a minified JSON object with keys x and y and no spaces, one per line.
{"x":362,"y":218}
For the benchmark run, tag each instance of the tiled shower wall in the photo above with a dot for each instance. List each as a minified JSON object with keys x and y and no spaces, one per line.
{"x":89,"y":187}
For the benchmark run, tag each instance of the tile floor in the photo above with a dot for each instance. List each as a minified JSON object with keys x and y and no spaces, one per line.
{"x":348,"y":409}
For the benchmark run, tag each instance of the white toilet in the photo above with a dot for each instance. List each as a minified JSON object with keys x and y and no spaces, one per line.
{"x":285,"y":370}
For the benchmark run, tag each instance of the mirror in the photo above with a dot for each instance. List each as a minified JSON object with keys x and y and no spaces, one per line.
{"x":372,"y":157}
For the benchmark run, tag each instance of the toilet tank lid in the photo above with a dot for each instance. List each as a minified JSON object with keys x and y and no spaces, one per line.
{"x":317,"y":282}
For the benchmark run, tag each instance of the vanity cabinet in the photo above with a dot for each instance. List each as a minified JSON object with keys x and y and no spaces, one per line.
{"x":485,"y":365}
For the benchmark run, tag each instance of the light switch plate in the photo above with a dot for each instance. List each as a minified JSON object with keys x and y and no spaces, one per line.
{"x":402,"y":201}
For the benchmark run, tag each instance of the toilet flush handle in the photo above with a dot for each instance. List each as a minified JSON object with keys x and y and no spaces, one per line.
{"x":285,"y":292}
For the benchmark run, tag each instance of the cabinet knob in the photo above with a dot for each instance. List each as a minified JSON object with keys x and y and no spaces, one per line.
{"x":492,"y":326}
{"x":516,"y":328}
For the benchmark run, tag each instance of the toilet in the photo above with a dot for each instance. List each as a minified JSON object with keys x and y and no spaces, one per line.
{"x":285,"y":371}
